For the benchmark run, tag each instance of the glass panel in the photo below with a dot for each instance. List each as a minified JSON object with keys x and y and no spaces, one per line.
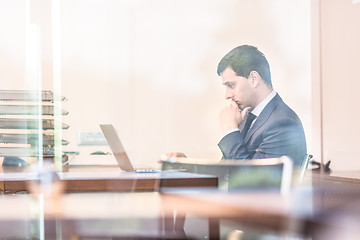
{"x":148,"y":67}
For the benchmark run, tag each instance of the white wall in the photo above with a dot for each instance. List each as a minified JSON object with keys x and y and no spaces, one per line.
{"x":339,"y":37}
{"x":149,"y":67}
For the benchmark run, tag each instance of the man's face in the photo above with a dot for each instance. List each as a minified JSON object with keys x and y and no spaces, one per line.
{"x":237,"y":88}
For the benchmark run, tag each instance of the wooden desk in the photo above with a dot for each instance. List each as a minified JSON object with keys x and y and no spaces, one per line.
{"x":99,"y":215}
{"x":144,"y":214}
{"x":124,"y":214}
{"x":348,"y":178}
{"x":262,"y":211}
{"x":110,"y":179}
{"x":315,"y":213}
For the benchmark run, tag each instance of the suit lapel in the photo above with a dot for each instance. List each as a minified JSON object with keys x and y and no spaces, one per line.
{"x":264,"y":115}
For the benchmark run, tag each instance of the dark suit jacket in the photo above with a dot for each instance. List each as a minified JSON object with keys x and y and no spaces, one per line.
{"x":277,"y":131}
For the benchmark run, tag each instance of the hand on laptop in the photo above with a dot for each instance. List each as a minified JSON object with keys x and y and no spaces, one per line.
{"x":169,"y":156}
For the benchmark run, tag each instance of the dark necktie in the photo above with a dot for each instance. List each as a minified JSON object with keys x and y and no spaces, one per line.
{"x":248,"y":122}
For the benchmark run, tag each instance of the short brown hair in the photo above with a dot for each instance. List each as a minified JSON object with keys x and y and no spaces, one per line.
{"x":244,"y":59}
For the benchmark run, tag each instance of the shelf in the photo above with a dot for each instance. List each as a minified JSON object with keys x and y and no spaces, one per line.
{"x":28,"y":110}
{"x":25,"y":151}
{"x":27,"y":95}
{"x":29,"y":139}
{"x":25,"y":115}
{"x":18,"y":123}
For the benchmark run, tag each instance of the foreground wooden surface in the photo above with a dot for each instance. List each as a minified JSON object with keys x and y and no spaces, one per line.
{"x":109,"y":214}
{"x":109,"y":179}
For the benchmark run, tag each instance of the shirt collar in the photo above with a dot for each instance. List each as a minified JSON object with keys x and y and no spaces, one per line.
{"x":258,"y":109}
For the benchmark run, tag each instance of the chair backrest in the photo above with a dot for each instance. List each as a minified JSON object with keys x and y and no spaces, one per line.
{"x":300,"y":171}
{"x":239,"y":175}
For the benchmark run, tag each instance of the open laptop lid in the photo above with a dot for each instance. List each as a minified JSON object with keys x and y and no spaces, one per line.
{"x":116,"y":147}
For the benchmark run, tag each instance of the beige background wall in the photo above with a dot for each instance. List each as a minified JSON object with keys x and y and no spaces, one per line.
{"x":149,"y":67}
{"x":339,"y":62}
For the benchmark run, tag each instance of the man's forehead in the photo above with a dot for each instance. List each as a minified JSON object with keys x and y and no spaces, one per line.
{"x":228,"y":72}
{"x":229,"y":76}
{"x":228,"y":81}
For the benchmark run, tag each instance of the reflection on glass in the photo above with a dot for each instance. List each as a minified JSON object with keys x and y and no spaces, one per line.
{"x":47,"y":184}
{"x":97,"y":48}
{"x":46,"y":191}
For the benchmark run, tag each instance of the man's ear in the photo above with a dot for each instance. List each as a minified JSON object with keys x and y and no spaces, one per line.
{"x":254,"y":78}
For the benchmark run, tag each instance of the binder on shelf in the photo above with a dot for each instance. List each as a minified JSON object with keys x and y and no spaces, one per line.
{"x":27,"y":95}
{"x":30,"y":154}
{"x":25,"y":151}
{"x":19,"y":123}
{"x":29,"y":139}
{"x":28,"y":110}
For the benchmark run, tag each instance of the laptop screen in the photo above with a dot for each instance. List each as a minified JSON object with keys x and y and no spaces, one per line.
{"x":116,"y":147}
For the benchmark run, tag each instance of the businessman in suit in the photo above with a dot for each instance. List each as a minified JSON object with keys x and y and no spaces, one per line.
{"x":256,"y":122}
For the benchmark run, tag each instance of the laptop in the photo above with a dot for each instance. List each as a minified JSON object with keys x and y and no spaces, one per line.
{"x":118,"y":150}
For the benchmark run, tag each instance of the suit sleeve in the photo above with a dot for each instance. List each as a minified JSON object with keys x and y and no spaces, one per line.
{"x":283,"y":137}
{"x":233,"y":146}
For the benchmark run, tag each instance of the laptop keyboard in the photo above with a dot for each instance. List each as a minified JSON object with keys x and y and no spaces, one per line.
{"x":147,"y":170}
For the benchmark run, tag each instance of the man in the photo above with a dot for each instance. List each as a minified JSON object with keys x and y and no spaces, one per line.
{"x":275,"y":129}
{"x":256,"y":122}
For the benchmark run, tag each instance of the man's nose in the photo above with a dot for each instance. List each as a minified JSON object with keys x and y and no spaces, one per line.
{"x":228,"y":94}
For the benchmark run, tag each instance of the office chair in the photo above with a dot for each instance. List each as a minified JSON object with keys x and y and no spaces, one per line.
{"x":239,"y":175}
{"x":235,"y":175}
{"x":299,"y":172}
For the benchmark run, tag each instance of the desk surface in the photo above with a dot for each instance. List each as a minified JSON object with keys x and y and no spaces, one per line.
{"x":100,"y":214}
{"x":81,"y":214}
{"x":334,"y":177}
{"x":119,"y":214}
{"x":110,"y":179}
{"x":317,"y":213}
